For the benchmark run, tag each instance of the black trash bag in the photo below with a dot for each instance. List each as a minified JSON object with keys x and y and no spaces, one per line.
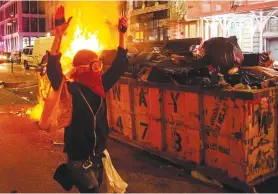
{"x":222,"y":52}
{"x":256,"y":59}
{"x":250,"y":59}
{"x":179,"y":46}
{"x":158,"y":75}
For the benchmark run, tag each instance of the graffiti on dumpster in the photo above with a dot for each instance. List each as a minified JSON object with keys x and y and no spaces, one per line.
{"x":116,"y":93}
{"x":264,"y":163}
{"x":177,"y":141}
{"x":263,"y":141}
{"x":218,"y":148}
{"x":142,"y":97}
{"x":175,"y":99}
{"x":145,"y":129}
{"x":263,"y":119}
{"x":120,"y":123}
{"x":219,"y":113}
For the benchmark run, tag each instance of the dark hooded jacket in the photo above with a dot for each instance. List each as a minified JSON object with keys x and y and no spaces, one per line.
{"x":80,"y":137}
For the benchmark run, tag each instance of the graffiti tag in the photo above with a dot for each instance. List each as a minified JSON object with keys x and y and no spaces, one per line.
{"x":120,"y":123}
{"x":142,"y":97}
{"x":264,"y":161}
{"x":219,"y":113}
{"x":218,"y":148}
{"x":264,"y":119}
{"x":177,"y":141}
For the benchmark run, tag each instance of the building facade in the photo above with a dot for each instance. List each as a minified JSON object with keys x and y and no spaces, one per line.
{"x":160,"y":20}
{"x":255,"y":23}
{"x":149,"y":20}
{"x":21,"y":22}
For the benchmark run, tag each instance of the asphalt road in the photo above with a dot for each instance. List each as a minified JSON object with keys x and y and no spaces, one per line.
{"x":29,"y":159}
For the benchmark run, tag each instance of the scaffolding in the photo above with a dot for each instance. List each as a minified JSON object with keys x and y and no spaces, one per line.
{"x":258,"y":20}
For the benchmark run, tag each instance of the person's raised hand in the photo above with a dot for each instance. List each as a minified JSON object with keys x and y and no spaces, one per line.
{"x":122,"y":25}
{"x":61,"y":24}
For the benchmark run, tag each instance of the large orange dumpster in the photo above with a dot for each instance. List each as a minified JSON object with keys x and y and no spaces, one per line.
{"x":230,"y":134}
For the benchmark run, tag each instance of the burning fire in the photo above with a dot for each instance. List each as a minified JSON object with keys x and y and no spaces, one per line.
{"x":81,"y":40}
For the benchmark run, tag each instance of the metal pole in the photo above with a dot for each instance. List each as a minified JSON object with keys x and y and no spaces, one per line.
{"x":12,"y":66}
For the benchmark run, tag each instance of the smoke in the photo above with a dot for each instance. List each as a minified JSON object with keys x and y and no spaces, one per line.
{"x":98,"y":17}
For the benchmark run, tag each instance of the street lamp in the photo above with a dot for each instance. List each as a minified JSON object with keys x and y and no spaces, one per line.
{"x":9,"y":23}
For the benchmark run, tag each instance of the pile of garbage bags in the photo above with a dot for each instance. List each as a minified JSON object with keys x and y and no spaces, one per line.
{"x":216,"y":63}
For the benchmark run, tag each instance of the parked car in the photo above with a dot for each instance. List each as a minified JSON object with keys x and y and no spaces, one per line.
{"x":16,"y":57}
{"x":27,"y":56}
{"x":5,"y":57}
{"x":32,"y":55}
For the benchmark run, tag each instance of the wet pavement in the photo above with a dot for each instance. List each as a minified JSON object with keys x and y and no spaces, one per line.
{"x":19,"y":74}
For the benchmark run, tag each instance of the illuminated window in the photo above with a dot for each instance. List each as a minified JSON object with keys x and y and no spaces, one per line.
{"x":25,"y":41}
{"x":33,"y":40}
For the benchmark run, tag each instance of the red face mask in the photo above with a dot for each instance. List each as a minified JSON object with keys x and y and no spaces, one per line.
{"x":91,"y":77}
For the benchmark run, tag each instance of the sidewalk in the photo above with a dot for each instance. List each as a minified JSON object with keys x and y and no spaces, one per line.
{"x":19,"y":77}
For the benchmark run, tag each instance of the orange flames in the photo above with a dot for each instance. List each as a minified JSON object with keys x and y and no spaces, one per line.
{"x":81,"y":40}
{"x":89,"y":29}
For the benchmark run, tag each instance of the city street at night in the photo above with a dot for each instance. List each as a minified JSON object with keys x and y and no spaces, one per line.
{"x":182,"y":94}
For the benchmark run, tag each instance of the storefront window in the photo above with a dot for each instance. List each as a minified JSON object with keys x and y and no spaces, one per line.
{"x":155,"y":34}
{"x":155,"y":23}
{"x":152,"y":26}
{"x":25,"y":41}
{"x":149,"y":24}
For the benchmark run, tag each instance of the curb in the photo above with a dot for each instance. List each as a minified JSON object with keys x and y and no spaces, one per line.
{"x":17,"y":84}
